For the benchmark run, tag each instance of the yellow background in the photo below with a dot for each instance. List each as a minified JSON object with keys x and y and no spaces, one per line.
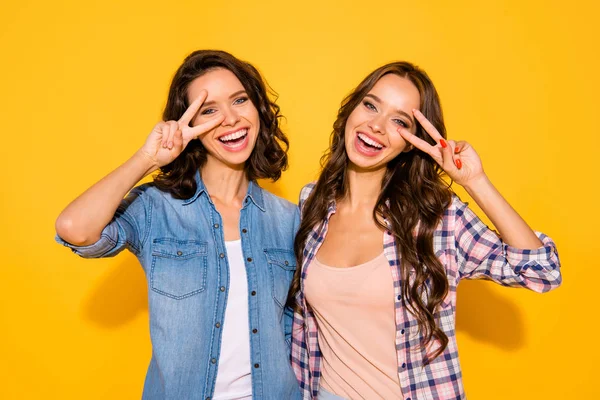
{"x":82,"y":84}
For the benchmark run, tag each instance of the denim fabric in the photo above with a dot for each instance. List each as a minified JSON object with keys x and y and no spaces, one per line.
{"x":180,"y":245}
{"x":325,"y":395}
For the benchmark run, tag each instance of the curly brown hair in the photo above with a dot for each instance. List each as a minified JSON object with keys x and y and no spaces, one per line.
{"x":269,"y":156}
{"x":413,"y":197}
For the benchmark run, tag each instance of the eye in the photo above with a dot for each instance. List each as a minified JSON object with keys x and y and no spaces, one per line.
{"x":401,"y":123}
{"x":208,"y":111}
{"x":369,"y":106}
{"x":240,"y":100}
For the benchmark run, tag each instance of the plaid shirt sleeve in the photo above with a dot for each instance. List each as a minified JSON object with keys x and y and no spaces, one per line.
{"x":299,"y":350}
{"x":481,"y":254}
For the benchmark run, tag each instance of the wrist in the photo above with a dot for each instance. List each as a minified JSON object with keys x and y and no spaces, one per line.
{"x":478,"y":184}
{"x":146,"y":161}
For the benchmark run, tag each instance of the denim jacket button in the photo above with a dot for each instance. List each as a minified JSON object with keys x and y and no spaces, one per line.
{"x":244,"y":230}
{"x":179,"y":253}
{"x":222,"y":288}
{"x":253,"y":293}
{"x":218,"y":325}
{"x":216,"y":226}
{"x":222,"y":255}
{"x":256,"y":365}
{"x":213,"y":360}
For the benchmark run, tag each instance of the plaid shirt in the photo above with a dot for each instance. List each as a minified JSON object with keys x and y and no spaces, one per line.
{"x":468,"y":249}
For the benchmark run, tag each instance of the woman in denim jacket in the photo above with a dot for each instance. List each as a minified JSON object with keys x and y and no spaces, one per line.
{"x":217,"y":250}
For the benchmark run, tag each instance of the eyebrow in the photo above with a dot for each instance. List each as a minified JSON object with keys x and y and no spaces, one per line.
{"x":377,"y":99}
{"x":212,"y":102}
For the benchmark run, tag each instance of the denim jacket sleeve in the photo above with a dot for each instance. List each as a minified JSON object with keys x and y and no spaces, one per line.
{"x":127,"y":230}
{"x":482,"y":254}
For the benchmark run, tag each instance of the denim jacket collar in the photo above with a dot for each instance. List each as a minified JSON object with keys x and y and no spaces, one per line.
{"x":254,"y":193}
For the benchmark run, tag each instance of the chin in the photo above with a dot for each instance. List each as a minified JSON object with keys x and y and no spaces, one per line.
{"x":359,"y":163}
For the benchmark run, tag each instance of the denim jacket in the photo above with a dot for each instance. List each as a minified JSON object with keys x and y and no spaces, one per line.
{"x":180,"y":245}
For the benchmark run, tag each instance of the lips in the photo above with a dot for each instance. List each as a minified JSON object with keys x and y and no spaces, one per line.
{"x":235,"y":141}
{"x":367,"y":145}
{"x":238,"y":136}
{"x":369,"y":141}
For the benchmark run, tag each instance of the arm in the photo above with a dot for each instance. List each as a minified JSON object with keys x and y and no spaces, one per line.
{"x":481,"y":254}
{"x":82,"y":222}
{"x":521,"y":257}
{"x":512,"y":228}
{"x":460,"y":161}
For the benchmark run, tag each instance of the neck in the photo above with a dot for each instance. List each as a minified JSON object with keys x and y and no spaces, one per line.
{"x":224,"y":183}
{"x":364,"y":187}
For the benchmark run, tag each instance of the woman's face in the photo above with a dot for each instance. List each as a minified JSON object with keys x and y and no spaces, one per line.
{"x":371,"y":136}
{"x":231,"y":142}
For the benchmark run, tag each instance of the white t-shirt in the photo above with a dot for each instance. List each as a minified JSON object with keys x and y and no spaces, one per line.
{"x":234,"y":376}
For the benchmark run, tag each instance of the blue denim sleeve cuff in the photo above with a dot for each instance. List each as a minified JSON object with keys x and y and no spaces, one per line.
{"x":107,"y":242}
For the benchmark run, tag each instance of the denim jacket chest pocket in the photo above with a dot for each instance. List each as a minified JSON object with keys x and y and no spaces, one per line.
{"x":178,"y":267}
{"x":282,"y":264}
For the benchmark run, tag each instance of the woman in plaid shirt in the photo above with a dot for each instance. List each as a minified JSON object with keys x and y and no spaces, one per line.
{"x":384,"y":242}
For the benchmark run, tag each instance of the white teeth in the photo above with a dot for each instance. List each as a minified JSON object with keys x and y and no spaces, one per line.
{"x":234,"y":135}
{"x":369,"y":141}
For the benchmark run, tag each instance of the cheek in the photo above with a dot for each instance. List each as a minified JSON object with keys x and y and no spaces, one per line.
{"x":354,"y":120}
{"x":398,"y":144}
{"x":250,"y":113}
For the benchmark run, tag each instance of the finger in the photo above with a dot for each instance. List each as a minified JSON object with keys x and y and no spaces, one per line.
{"x":164,"y":130}
{"x":178,"y":141}
{"x":457,"y":149}
{"x":194,"y":132}
{"x":192,"y":109}
{"x":460,"y":146}
{"x":420,"y":144}
{"x":447,"y":156}
{"x":455,"y":153}
{"x":428,"y":126}
{"x":455,"y":157}
{"x":173,"y":128}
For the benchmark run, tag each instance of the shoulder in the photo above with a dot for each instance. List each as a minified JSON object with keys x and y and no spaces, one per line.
{"x":456,"y":208}
{"x":149,"y":193}
{"x":148,"y":189}
{"x":306,"y":191}
{"x":278,"y":204}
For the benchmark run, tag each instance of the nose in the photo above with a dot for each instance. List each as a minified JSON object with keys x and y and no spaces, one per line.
{"x":231,"y":117}
{"x":376,"y":124}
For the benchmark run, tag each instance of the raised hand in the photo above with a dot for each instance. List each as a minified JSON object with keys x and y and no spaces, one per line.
{"x":168,"y":138}
{"x":458,"y":159}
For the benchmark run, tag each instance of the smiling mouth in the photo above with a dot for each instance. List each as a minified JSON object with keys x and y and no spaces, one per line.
{"x":368,"y":142}
{"x":235,"y":137}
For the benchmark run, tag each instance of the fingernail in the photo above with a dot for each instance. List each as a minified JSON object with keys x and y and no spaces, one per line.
{"x":458,"y":164}
{"x":456,"y":150}
{"x":443,"y":143}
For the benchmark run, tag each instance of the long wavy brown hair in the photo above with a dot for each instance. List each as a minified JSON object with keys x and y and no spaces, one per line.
{"x":269,"y":157}
{"x":413,"y":199}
